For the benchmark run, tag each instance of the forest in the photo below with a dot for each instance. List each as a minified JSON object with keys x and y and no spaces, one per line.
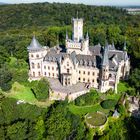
{"x":36,"y":117}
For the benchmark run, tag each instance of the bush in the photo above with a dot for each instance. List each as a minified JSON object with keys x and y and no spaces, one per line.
{"x":88,"y":99}
{"x":108,"y":104}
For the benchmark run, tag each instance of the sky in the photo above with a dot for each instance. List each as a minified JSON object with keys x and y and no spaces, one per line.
{"x":88,"y":2}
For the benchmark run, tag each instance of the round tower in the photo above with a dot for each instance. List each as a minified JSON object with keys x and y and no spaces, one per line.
{"x":36,"y":54}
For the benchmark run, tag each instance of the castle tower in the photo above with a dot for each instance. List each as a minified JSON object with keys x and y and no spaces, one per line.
{"x":35,"y":59}
{"x":104,"y":72}
{"x":77,"y":29}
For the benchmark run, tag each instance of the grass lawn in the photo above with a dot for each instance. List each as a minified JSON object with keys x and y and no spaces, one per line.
{"x":82,"y":110}
{"x":21,"y":92}
{"x":95,"y":119}
{"x":123,"y":87}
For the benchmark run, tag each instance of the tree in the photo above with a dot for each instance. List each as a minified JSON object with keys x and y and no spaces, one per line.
{"x":40,"y":89}
{"x":5,"y":79}
{"x":134,"y":79}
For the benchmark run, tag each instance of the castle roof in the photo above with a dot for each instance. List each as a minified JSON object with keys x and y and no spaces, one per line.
{"x":34,"y":45}
{"x":105,"y":61}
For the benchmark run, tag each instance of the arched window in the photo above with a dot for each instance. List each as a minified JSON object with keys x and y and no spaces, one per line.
{"x":45,"y":73}
{"x":88,"y":73}
{"x":37,"y":55}
{"x":79,"y":78}
{"x":79,"y":71}
{"x":48,"y":68}
{"x":83,"y":72}
{"x":83,"y":79}
{"x":52,"y":68}
{"x":93,"y":81}
{"x":93,"y":73}
{"x":110,"y":75}
{"x":39,"y":73}
{"x":88,"y":81}
{"x":33,"y":74}
{"x":38,"y":65}
{"x":44,"y":67}
{"x":33,"y":65}
{"x":32,"y":55}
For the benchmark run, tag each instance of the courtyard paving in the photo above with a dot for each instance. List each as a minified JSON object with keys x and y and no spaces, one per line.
{"x":57,"y":86}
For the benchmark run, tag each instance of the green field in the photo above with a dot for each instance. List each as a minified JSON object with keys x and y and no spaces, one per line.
{"x":82,"y":110}
{"x":95,"y":119}
{"x":21,"y":92}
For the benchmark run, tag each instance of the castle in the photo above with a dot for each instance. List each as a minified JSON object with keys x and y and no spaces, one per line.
{"x":93,"y":66}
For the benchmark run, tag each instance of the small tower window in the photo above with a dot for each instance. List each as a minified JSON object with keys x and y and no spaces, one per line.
{"x":33,"y":74}
{"x":37,"y":55}
{"x":83,"y":79}
{"x":38,"y":65}
{"x":39,"y":73}
{"x":33,"y":65}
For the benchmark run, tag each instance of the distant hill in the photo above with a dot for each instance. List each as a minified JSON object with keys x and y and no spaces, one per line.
{"x":46,"y":14}
{"x":2,"y":3}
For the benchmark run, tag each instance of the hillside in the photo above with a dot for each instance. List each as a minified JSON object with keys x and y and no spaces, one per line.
{"x":45,"y":14}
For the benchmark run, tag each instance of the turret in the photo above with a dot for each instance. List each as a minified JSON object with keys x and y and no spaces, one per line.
{"x":35,"y":59}
{"x":104,"y":72}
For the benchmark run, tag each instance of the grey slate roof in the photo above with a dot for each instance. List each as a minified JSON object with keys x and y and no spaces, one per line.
{"x":35,"y":45}
{"x":110,"y":57}
{"x":105,"y":60}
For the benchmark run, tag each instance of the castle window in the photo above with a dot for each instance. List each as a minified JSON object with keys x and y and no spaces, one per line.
{"x":110,"y":75}
{"x":37,"y":55}
{"x":33,"y":65}
{"x":68,"y":71}
{"x":32,"y":55}
{"x":83,"y":79}
{"x":53,"y":74}
{"x":52,"y":68}
{"x":79,"y":78}
{"x":44,"y":67}
{"x":49,"y":74}
{"x":67,"y":63}
{"x":39,"y":73}
{"x":83,"y":72}
{"x":44,"y":73}
{"x":38,"y":65}
{"x":79,"y":71}
{"x":93,"y":73}
{"x":33,"y":74}
{"x":93,"y":80}
{"x":88,"y":73}
{"x":88,"y":81}
{"x":48,"y":68}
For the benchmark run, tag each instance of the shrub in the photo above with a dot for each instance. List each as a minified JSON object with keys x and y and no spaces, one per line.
{"x":108,"y":104}
{"x":88,"y":99}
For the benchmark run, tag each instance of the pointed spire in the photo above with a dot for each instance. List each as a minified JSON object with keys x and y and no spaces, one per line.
{"x":113,"y":46}
{"x":67,"y":37}
{"x":34,"y":45}
{"x":124,"y":48}
{"x":87,"y":36}
{"x":105,"y":61}
{"x":77,"y":14}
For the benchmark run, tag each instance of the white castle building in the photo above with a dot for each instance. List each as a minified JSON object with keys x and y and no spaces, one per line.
{"x":95,"y":66}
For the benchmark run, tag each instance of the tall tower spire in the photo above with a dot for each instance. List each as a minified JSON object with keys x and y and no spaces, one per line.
{"x":67,"y":37}
{"x":87,"y":36}
{"x":105,"y":61}
{"x":124,"y":47}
